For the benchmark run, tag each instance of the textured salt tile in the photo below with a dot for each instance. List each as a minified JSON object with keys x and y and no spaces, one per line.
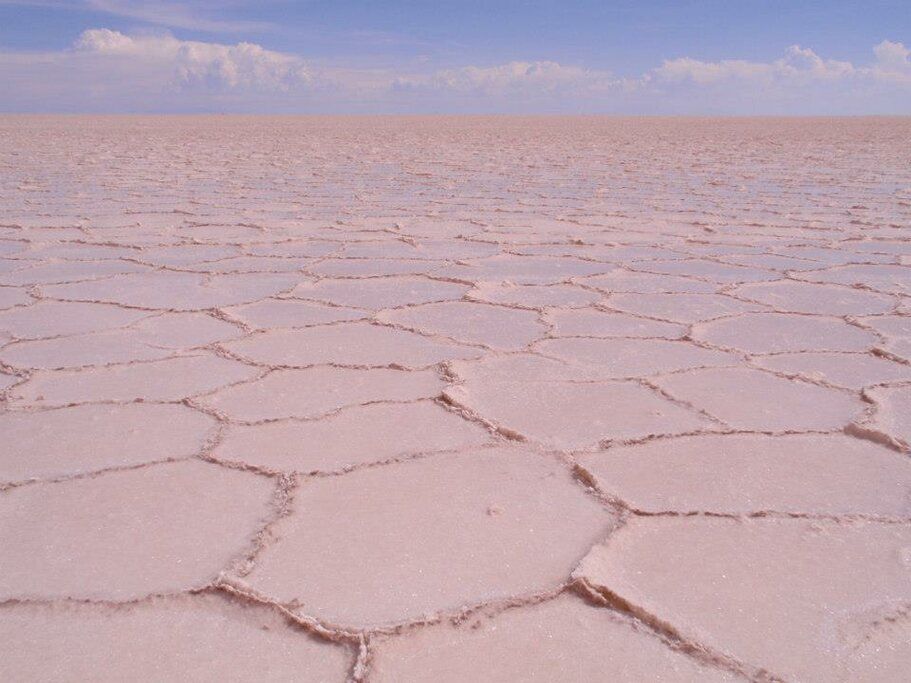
{"x":719,"y":249}
{"x":832,"y":257}
{"x":13,"y":296}
{"x":343,"y":234}
{"x":355,"y":436}
{"x":447,"y":228}
{"x":53,"y":318}
{"x":884,"y":278}
{"x":50,"y":234}
{"x":623,"y":280}
{"x":563,"y":414}
{"x":6,"y":381}
{"x":185,"y":254}
{"x":190,"y":638}
{"x":380,"y":293}
{"x":560,"y":640}
{"x":171,"y":379}
{"x":901,"y":348}
{"x":744,"y":473}
{"x":104,"y":220}
{"x":578,"y":212}
{"x":787,"y":596}
{"x":617,"y":358}
{"x":595,"y":251}
{"x":221,"y":233}
{"x":587,"y":322}
{"x":681,"y":308}
{"x":346,"y":344}
{"x":527,"y":270}
{"x":751,"y":399}
{"x":71,"y":251}
{"x":893,"y":411}
{"x":175,"y":291}
{"x":778,"y":332}
{"x":132,"y":237}
{"x":369,"y":268}
{"x":881,"y":650}
{"x":162,"y":220}
{"x":805,"y":297}
{"x":11,"y":266}
{"x":162,"y":528}
{"x":707,"y":270}
{"x":82,"y":439}
{"x":429,"y":535}
{"x":185,"y":330}
{"x":291,"y":313}
{"x":250,"y":264}
{"x":46,"y":224}
{"x":390,"y":247}
{"x":882,"y":233}
{"x":112,"y":346}
{"x":897,"y":331}
{"x":12,"y":248}
{"x":524,"y":367}
{"x":879,"y":248}
{"x":771,"y":261}
{"x":303,"y":248}
{"x":895,"y":326}
{"x":494,"y":326}
{"x":525,"y":221}
{"x":317,"y":391}
{"x":69,"y":271}
{"x":433,"y":249}
{"x":534,"y":296}
{"x":849,"y":370}
{"x":149,"y":339}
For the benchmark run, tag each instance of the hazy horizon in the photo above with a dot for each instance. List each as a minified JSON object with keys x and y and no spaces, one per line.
{"x":408,"y":57}
{"x":440,"y":115}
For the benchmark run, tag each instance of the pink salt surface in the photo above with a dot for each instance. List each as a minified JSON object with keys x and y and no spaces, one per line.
{"x":455,"y":399}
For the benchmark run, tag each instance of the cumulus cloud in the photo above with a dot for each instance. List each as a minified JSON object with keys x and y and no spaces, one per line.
{"x":517,"y":80}
{"x":107,"y":70}
{"x":799,"y":64}
{"x":893,"y":62}
{"x":195,"y":64}
{"x":540,"y":76}
{"x":544,"y":86}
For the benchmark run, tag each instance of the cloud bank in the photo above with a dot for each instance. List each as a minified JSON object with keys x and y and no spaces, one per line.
{"x":107,"y":70}
{"x":799,"y":65}
{"x":194,"y":64}
{"x":541,"y":77}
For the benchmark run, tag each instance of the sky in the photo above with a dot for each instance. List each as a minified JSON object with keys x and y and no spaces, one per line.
{"x":448,"y":56}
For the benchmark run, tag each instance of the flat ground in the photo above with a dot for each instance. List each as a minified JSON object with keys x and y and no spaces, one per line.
{"x":488,"y":399}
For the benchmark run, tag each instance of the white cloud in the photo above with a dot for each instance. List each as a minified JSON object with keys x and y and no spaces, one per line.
{"x":893,"y":62}
{"x":107,"y":70}
{"x":542,"y":86}
{"x":803,"y":62}
{"x":799,"y":63}
{"x":688,"y":69}
{"x":540,"y":76}
{"x":194,"y":64}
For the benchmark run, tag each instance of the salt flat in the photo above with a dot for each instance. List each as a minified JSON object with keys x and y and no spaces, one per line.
{"x":455,"y":399}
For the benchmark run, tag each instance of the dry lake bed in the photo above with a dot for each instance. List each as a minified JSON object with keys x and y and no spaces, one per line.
{"x":455,"y":399}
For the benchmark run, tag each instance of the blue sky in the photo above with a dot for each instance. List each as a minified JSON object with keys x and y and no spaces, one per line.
{"x":688,"y":56}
